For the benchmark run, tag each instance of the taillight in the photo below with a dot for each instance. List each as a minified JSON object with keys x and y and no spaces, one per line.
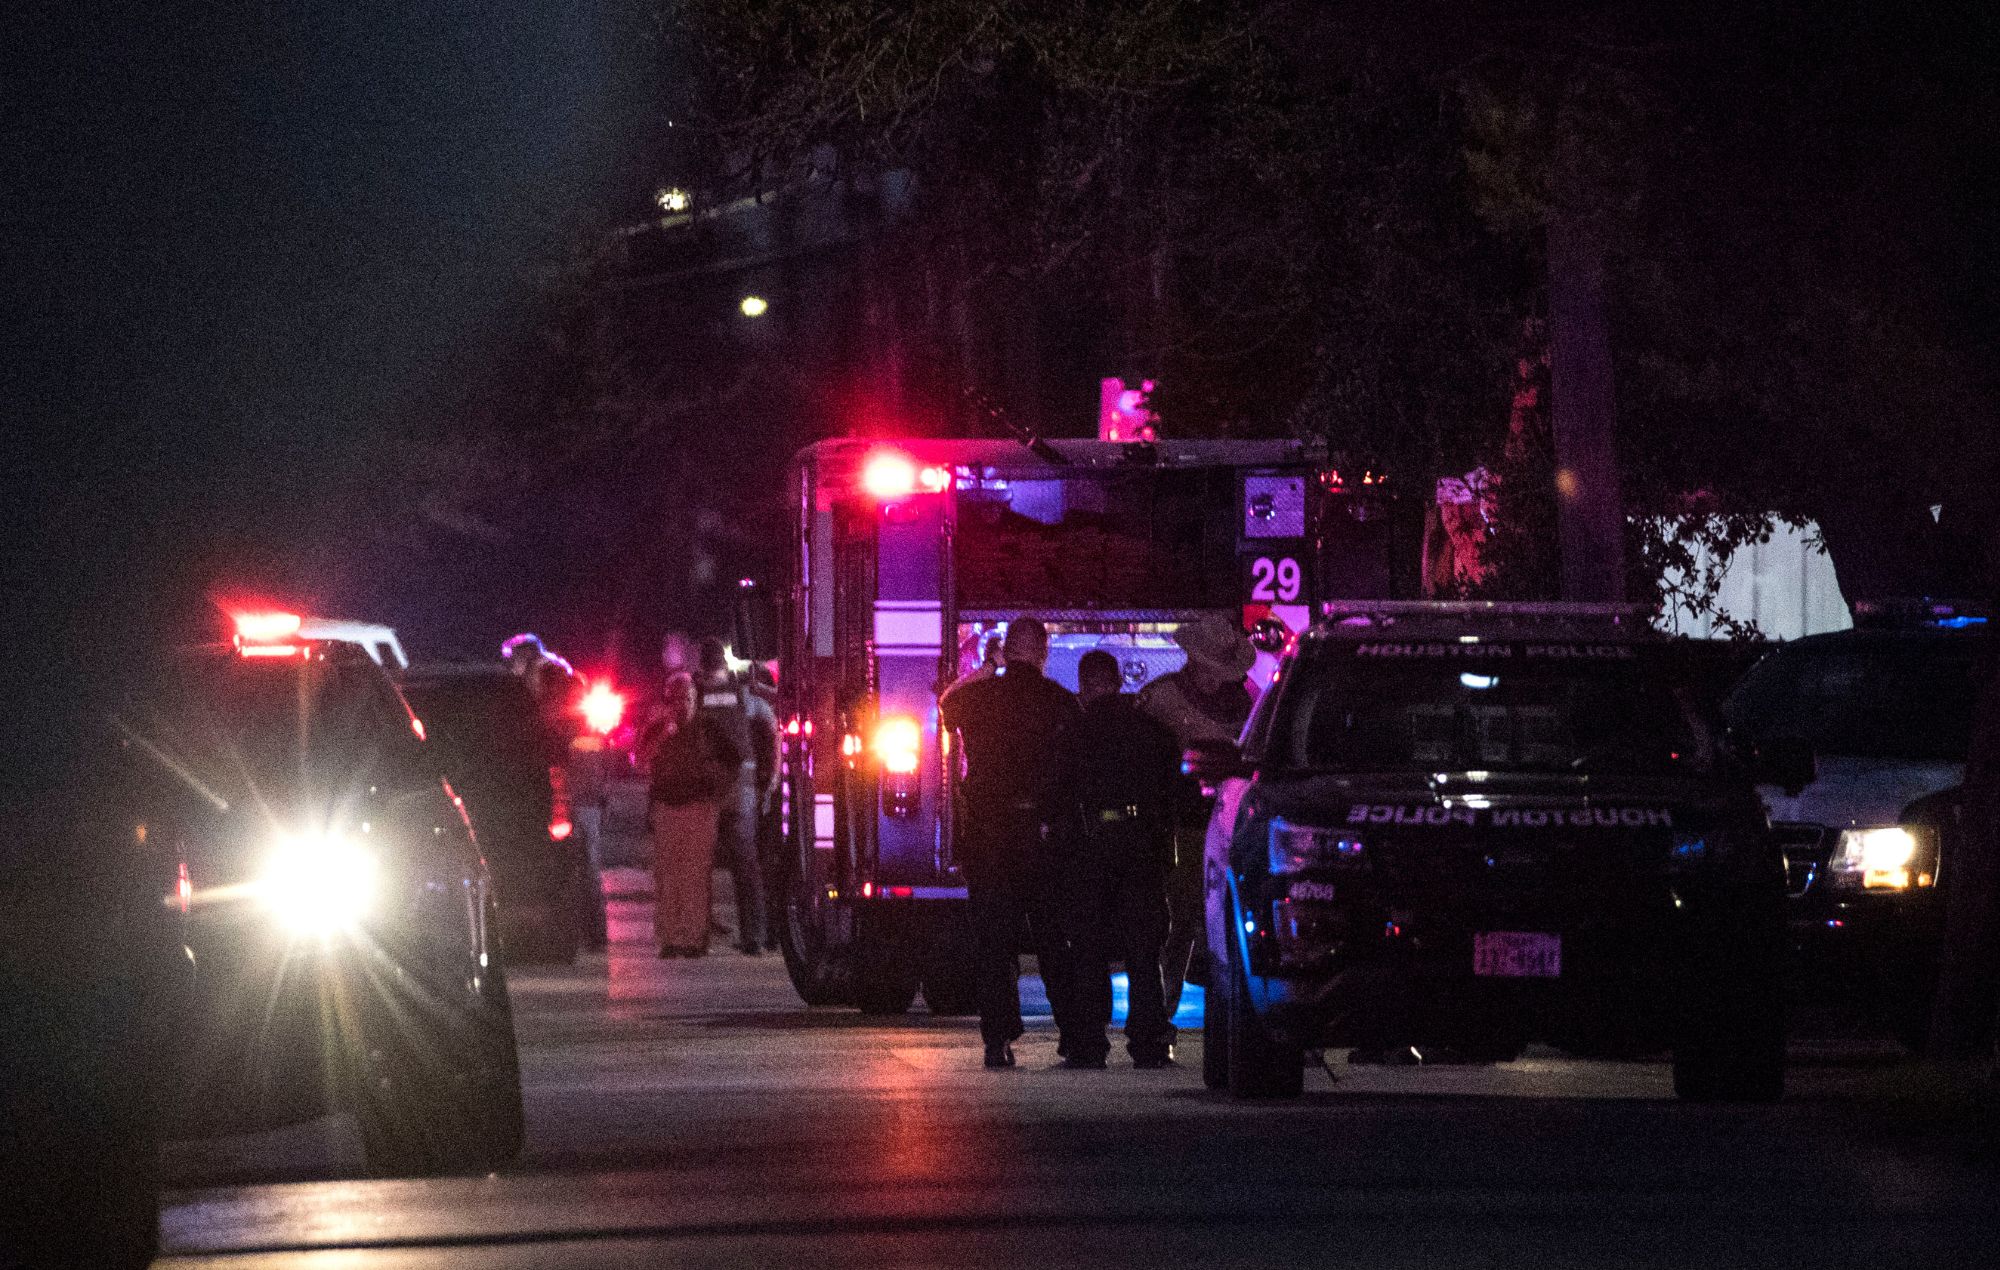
{"x":560,"y":825}
{"x":184,"y":888}
{"x":898,"y":742}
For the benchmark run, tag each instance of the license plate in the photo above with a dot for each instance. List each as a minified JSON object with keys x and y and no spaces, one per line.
{"x":1517,"y":954}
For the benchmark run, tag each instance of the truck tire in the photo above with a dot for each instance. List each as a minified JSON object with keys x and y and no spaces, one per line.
{"x":434,"y":1076}
{"x":886,"y":974}
{"x":1259,"y":1066}
{"x":802,"y":939}
{"x":948,"y":976}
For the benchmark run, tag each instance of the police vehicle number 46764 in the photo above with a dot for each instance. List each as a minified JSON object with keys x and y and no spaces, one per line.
{"x":1470,"y":827}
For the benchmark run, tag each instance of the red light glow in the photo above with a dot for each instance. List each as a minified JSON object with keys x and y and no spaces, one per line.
{"x":934,"y":480}
{"x":266,"y":628}
{"x":889,"y":474}
{"x":184,"y":887}
{"x":560,"y":829}
{"x":602,"y":707}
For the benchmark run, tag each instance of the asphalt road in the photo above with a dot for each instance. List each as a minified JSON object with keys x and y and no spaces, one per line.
{"x":694,"y":1114}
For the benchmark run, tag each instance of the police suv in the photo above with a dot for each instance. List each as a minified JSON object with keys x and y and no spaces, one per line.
{"x":1881,"y":716}
{"x":1467,"y":826}
{"x":337,"y":919}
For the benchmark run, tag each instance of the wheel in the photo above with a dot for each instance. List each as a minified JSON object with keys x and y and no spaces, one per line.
{"x":948,"y":977}
{"x":885,"y":966}
{"x":435,"y":1080}
{"x":1215,"y":1039}
{"x":1259,"y":1066}
{"x":802,"y":939}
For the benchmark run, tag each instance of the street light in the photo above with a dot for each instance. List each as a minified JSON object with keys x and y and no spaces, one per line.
{"x":673,"y":199}
{"x":753,"y":306}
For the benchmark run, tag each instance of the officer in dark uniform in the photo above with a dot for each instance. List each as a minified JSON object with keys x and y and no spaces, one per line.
{"x":1118,"y":771}
{"x":1009,"y":725}
{"x":753,"y":728}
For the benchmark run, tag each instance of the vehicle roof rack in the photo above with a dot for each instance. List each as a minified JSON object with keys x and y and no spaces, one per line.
{"x":1502,"y":613}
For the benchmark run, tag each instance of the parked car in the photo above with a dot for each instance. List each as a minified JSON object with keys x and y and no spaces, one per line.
{"x":507,"y":761}
{"x":1883,"y":713}
{"x":1471,"y":826}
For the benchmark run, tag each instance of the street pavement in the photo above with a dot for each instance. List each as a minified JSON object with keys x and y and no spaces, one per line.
{"x":693,"y":1113}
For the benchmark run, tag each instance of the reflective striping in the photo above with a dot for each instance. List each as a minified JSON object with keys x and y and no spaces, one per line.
{"x":908,"y":625}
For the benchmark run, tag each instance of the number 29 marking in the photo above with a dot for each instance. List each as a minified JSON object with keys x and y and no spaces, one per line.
{"x":1275,"y":580}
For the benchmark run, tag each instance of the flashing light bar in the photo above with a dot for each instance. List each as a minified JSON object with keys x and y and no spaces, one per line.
{"x":891,"y":474}
{"x":267,"y":628}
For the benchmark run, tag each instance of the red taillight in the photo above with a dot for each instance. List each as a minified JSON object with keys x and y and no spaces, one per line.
{"x":184,"y":888}
{"x":560,"y":825}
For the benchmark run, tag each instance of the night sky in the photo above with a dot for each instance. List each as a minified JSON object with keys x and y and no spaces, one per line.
{"x":244,"y":244}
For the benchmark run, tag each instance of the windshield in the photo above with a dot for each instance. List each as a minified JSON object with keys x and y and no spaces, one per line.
{"x":1437,"y":707}
{"x":1132,"y":540}
{"x":485,"y":727}
{"x":1906,"y":700}
{"x":237,"y":725}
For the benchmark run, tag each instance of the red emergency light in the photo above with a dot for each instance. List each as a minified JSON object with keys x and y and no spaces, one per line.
{"x":266,"y":628}
{"x":891,"y":474}
{"x":602,"y":707}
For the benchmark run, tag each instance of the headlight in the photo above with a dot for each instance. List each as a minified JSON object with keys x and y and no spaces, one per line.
{"x":1298,"y":847}
{"x":320,"y":884}
{"x":1896,"y":858}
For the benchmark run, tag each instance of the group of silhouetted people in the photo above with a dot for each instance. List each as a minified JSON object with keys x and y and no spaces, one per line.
{"x":1074,"y":821}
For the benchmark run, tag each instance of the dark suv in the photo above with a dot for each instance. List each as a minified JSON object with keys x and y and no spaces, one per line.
{"x":1885,"y":714}
{"x":1470,"y":826}
{"x":337,"y":917}
{"x":503,"y":757}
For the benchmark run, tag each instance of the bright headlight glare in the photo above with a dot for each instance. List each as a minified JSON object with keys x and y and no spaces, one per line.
{"x":1892,"y":858}
{"x":320,"y":884}
{"x":1298,"y":847}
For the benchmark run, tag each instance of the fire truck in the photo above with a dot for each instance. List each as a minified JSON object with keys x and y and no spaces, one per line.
{"x":908,"y":556}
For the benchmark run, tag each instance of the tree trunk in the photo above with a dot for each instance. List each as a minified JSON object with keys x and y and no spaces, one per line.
{"x":1590,"y":511}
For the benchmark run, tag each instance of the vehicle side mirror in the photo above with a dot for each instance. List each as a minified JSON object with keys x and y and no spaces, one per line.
{"x":1212,"y":762}
{"x":1787,"y":762}
{"x":1270,"y":635}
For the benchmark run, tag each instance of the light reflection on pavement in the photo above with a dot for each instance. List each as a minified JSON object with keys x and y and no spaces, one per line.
{"x":694,"y":1112}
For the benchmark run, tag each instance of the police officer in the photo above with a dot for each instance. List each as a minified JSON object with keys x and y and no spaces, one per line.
{"x":753,"y":728}
{"x":1206,"y":700}
{"x":1118,"y":767}
{"x":1009,"y":725}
